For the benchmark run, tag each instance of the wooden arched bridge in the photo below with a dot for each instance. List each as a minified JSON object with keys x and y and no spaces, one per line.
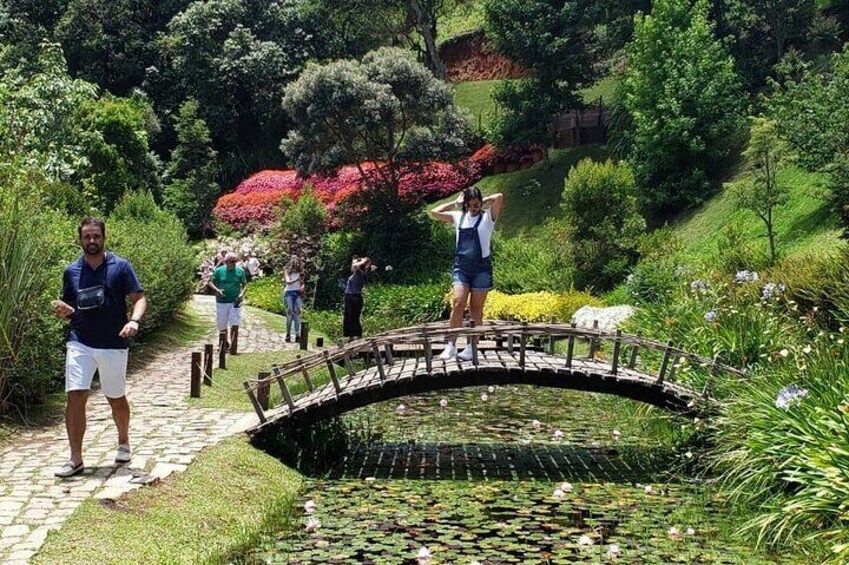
{"x":403,"y":362}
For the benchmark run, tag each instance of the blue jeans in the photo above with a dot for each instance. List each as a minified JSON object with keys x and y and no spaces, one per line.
{"x":294,"y":302}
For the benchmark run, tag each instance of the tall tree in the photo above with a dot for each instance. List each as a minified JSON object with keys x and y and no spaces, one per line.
{"x":192,"y":176}
{"x":685,"y":103}
{"x":550,"y":38}
{"x":388,"y":111}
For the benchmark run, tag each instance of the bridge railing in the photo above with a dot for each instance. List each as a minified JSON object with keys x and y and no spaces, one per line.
{"x":512,"y":337}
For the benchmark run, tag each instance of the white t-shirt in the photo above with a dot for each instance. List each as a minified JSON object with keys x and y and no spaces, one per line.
{"x":253,"y":266}
{"x":484,"y":229}
{"x":293,"y":281}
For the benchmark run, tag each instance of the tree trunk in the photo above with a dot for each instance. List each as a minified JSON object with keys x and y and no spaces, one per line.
{"x":425,"y":28}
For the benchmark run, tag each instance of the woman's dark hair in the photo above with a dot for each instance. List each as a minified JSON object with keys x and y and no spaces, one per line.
{"x":471,"y":193}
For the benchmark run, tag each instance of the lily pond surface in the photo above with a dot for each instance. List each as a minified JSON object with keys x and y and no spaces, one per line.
{"x":509,"y":475}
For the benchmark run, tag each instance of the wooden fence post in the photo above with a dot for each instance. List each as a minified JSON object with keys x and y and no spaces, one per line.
{"x":222,"y":352}
{"x":259,"y":411}
{"x":305,"y":335}
{"x":208,"y":352}
{"x":194,"y":390}
{"x":593,"y":342}
{"x":614,"y":365}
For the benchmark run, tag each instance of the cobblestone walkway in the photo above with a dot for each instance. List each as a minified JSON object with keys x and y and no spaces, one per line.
{"x":165,"y":435}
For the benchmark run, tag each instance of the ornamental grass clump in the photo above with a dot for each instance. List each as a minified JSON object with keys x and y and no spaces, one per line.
{"x":782,"y":447}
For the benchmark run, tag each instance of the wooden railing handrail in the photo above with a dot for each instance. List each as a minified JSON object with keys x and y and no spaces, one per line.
{"x":436,"y":332}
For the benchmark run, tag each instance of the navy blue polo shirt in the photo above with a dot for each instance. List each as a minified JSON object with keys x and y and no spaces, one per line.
{"x":99,"y":327}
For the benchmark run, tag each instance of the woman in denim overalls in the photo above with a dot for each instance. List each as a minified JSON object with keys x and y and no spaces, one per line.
{"x":472,"y":272}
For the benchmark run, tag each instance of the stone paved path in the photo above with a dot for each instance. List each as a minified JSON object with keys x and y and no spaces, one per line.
{"x":165,"y":435}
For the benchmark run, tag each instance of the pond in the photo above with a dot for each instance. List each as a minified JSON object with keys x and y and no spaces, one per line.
{"x":510,"y":475}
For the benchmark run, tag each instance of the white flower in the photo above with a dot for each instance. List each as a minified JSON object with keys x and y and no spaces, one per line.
{"x":424,"y":553}
{"x":388,"y":267}
{"x":491,"y":389}
{"x":558,"y":494}
{"x":400,"y":409}
{"x":566,"y":487}
{"x":443,"y":403}
{"x":585,"y":540}
{"x":370,"y":479}
{"x":558,"y":435}
{"x":312,"y":525}
{"x":617,"y":434}
{"x":595,"y":444}
{"x":648,"y":489}
{"x":673,"y":533}
{"x":691,"y":532}
{"x":536,"y":424}
{"x":309,"y":506}
{"x":806,"y":349}
{"x":689,"y":455}
{"x":613,"y":550}
{"x":784,"y":353}
{"x":484,"y":397}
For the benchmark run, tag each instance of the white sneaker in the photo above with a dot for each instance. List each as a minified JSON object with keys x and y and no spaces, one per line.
{"x":466,"y":354}
{"x":449,"y":352}
{"x":123,"y":455}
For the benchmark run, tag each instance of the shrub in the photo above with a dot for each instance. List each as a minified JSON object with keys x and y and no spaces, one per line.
{"x":155,"y":242}
{"x":266,"y":293}
{"x":536,"y":306}
{"x":781,"y":446}
{"x":601,"y":209}
{"x":530,"y":264}
{"x":412,"y":304}
{"x":35,"y":244}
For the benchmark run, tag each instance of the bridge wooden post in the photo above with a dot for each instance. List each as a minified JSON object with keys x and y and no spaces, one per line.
{"x":510,"y":337}
{"x":593,"y":341}
{"x":284,"y":390}
{"x":194,"y":387}
{"x":263,"y":389}
{"x":551,"y":337}
{"x":378,"y":361}
{"x":208,"y":352}
{"x":662,"y":373}
{"x":633,"y":360}
{"x":523,"y":343}
{"x":306,"y":374}
{"x":388,"y":349}
{"x":427,"y":350}
{"x":332,"y":369}
{"x":570,"y":348}
{"x":473,"y":341}
{"x":259,"y":411}
{"x":675,"y":360}
{"x":614,"y":365}
{"x":349,"y":367}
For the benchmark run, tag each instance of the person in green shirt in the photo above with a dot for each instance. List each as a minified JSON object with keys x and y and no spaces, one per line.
{"x":229,"y":284}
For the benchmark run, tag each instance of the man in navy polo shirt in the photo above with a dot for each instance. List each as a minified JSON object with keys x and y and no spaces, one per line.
{"x":94,"y":293}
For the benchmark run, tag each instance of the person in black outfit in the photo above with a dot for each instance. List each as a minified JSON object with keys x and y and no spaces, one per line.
{"x":351,"y":326}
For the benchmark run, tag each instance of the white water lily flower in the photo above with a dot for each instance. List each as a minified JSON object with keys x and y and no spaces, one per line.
{"x":613,"y":550}
{"x":648,"y":489}
{"x":370,"y":479}
{"x":491,"y":389}
{"x":691,"y":532}
{"x":443,"y":403}
{"x":673,"y":533}
{"x":424,"y":553}
{"x":536,"y":424}
{"x":806,"y":349}
{"x":309,"y":506}
{"x":484,"y":397}
{"x":784,"y":353}
{"x":617,"y":434}
{"x":585,"y":540}
{"x":689,"y":455}
{"x":400,"y":409}
{"x":566,"y":487}
{"x":558,"y":435}
{"x":558,"y":494}
{"x":312,"y":525}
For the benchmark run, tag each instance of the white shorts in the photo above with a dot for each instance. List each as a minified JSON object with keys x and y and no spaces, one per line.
{"x":227,"y":315}
{"x":81,"y":362}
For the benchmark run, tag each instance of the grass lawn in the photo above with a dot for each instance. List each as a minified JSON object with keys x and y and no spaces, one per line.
{"x":476,"y":97}
{"x":803,"y":223}
{"x":533,"y":195}
{"x":224,"y":503}
{"x":466,"y":15}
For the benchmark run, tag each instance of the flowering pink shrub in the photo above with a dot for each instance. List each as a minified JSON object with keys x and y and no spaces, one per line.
{"x":257,"y":200}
